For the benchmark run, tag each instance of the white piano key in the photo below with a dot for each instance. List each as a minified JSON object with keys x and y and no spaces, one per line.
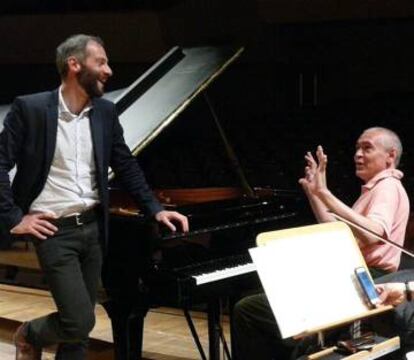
{"x":225,"y":273}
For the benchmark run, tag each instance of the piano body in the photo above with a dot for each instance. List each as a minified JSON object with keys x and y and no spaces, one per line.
{"x":148,"y":266}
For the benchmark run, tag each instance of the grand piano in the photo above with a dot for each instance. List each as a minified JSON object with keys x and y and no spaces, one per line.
{"x":146,"y":265}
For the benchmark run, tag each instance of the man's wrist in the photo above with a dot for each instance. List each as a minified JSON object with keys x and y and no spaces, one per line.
{"x":323,"y":193}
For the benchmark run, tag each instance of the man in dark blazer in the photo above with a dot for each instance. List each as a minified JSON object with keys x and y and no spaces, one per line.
{"x":63,"y":142}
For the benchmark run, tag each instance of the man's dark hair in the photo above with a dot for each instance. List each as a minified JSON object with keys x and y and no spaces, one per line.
{"x":73,"y":46}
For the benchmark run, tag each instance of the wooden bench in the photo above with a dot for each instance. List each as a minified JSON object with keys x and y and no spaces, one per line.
{"x":21,"y":255}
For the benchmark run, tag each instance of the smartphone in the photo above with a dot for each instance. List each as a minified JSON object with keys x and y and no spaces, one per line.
{"x":367,"y":285}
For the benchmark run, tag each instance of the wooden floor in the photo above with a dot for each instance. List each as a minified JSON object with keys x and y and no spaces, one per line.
{"x":166,"y":335}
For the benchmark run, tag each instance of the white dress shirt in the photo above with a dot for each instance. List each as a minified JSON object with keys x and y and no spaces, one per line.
{"x":71,"y":184}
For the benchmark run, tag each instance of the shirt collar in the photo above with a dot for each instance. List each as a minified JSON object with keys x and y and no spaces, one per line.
{"x":395,"y":173}
{"x":64,"y":112}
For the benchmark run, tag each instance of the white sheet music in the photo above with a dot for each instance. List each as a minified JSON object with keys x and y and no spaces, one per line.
{"x":309,"y":279}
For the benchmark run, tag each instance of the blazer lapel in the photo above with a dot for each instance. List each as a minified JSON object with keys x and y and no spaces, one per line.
{"x":51,"y":129}
{"x":97,"y":135}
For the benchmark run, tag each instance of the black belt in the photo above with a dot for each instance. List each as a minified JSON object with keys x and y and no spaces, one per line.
{"x":78,"y":219}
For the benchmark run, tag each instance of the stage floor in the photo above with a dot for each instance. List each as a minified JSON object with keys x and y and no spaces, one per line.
{"x":166,"y":335}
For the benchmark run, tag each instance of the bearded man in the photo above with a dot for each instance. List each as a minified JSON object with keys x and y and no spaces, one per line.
{"x":63,"y":142}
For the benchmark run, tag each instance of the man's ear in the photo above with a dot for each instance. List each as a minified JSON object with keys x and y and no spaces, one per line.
{"x":73,"y":64}
{"x":392,"y":157}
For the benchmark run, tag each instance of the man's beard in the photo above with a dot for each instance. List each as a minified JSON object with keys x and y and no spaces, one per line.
{"x":89,"y":82}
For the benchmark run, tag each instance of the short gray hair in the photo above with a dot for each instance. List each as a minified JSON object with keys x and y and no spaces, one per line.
{"x":390,"y":140}
{"x":75,"y":46}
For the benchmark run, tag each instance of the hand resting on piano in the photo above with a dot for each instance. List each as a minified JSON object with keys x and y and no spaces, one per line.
{"x":168,"y":218}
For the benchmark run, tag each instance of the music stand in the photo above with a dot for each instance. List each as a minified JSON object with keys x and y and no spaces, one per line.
{"x":308,"y":276}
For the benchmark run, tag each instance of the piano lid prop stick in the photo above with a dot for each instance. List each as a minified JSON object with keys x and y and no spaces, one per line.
{"x":370,"y":232}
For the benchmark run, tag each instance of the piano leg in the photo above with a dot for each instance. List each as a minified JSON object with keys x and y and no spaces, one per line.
{"x":127,"y":330}
{"x":194,"y":333}
{"x":213,"y":313}
{"x":232,"y":302}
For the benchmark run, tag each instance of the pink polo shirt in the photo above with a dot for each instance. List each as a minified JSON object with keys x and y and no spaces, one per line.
{"x":384,"y":200}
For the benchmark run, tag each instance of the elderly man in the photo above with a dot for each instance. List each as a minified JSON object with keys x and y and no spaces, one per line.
{"x":382,"y":207}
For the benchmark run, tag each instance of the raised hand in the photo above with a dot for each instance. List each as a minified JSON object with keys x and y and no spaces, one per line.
{"x":307,"y":181}
{"x":320,"y":173}
{"x":315,"y":172}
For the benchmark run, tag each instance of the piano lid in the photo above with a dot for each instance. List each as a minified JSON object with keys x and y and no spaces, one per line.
{"x":154,"y":100}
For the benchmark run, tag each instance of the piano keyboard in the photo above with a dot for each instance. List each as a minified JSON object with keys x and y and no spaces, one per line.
{"x":224,"y":274}
{"x":221,"y":269}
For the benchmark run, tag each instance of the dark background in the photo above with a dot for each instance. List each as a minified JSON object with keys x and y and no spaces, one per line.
{"x":313,"y":72}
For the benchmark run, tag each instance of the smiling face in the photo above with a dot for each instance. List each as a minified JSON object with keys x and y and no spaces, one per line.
{"x":371,"y":156}
{"x":94,"y":70}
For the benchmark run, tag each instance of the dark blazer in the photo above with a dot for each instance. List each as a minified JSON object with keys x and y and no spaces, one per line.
{"x":29,"y":139}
